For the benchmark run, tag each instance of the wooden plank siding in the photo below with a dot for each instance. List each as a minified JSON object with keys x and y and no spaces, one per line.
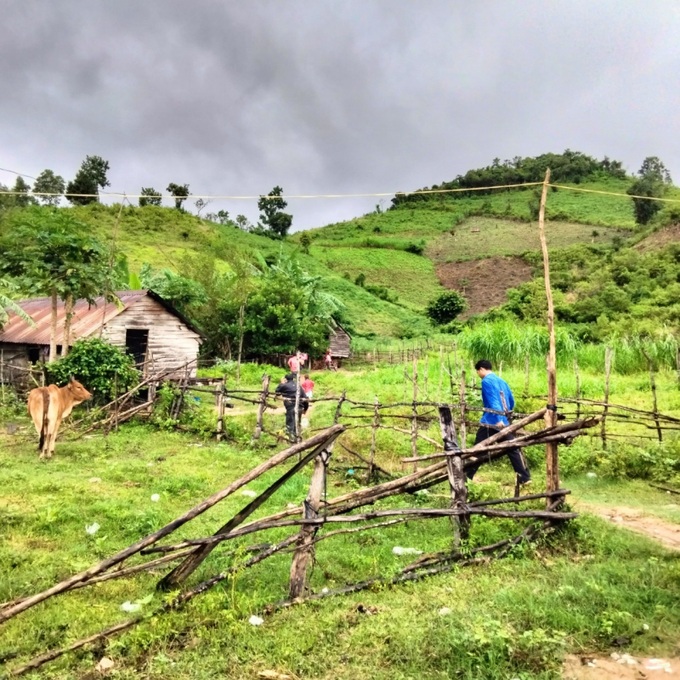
{"x":171,"y":342}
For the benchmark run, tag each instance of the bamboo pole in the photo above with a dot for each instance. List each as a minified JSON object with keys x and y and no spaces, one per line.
{"x":608,"y":355}
{"x":551,"y":455}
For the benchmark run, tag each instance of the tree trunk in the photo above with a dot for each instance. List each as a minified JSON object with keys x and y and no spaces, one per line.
{"x":68,"y":310}
{"x":53,"y":328}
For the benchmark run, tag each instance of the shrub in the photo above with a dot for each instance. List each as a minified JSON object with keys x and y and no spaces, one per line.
{"x":415,"y":248}
{"x":446,"y":307}
{"x":107,"y":371}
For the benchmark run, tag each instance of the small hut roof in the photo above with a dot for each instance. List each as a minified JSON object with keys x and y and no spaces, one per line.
{"x":87,"y":319}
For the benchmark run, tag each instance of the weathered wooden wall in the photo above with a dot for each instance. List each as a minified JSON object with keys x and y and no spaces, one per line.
{"x":339,"y":342}
{"x":171,"y":342}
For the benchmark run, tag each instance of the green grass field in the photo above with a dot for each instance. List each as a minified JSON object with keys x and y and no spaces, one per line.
{"x":517,"y":617}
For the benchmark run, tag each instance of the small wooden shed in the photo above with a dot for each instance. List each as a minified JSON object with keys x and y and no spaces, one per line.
{"x":145,"y":325}
{"x":339,"y":341}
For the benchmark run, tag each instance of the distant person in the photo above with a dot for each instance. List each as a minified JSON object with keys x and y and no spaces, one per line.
{"x":294,"y":363}
{"x":328,"y":360}
{"x":497,"y":396}
{"x":308,"y":386}
{"x":290,"y":390}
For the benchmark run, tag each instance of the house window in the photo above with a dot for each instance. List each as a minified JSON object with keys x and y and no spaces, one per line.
{"x":136,"y":342}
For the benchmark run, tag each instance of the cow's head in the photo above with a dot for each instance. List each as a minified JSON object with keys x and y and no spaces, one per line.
{"x":78,"y":391}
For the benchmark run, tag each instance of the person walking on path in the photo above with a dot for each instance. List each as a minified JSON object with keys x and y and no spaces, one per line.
{"x":497,"y":396}
{"x":290,"y":390}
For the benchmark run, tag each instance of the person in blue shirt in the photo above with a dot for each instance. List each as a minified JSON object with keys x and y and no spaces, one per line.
{"x":497,"y":396}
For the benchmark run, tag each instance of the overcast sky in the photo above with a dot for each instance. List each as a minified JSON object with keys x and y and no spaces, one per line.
{"x":320,"y":96}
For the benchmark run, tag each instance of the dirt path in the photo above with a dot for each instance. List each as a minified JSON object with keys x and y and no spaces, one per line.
{"x":619,"y":667}
{"x":634,"y":519}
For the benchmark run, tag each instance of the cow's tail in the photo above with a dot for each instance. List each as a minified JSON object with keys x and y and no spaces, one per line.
{"x":46,"y":408}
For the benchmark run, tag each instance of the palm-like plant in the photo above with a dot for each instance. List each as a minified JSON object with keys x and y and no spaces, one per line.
{"x":8,"y":305}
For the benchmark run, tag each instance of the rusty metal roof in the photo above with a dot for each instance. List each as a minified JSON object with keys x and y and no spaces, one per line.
{"x":87,"y":319}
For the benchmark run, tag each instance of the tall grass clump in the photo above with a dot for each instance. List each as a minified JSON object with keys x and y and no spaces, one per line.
{"x":511,"y":342}
{"x":631,"y":353}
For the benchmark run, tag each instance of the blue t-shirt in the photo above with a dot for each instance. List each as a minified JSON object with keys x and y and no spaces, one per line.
{"x":492,"y":389}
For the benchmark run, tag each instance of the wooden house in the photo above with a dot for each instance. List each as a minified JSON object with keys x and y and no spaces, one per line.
{"x":145,"y":325}
{"x":339,"y":341}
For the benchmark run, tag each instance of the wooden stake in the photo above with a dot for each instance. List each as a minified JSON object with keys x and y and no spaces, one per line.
{"x":577,"y":375}
{"x":652,"y":382}
{"x":527,"y":368}
{"x":298,"y":568}
{"x":219,"y":398}
{"x":262,"y":407}
{"x":455,"y":473}
{"x":414,"y":422}
{"x":608,"y":355}
{"x":551,"y":456}
{"x":374,"y":432}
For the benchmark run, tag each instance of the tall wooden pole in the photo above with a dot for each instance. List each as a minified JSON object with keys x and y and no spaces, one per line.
{"x":551,"y":459}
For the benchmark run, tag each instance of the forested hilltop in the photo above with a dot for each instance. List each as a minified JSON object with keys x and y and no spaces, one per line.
{"x":456,"y":259}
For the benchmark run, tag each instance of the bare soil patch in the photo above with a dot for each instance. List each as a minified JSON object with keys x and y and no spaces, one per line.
{"x":634,"y":519}
{"x":659,"y":239}
{"x":619,"y":667}
{"x":484,"y":283}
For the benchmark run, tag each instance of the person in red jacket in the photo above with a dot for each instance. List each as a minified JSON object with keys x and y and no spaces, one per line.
{"x":308,"y":386}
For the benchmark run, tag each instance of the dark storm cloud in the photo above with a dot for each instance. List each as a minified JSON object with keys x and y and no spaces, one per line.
{"x":331,"y":97}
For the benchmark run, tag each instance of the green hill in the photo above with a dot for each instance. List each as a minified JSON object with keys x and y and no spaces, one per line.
{"x":387,"y":266}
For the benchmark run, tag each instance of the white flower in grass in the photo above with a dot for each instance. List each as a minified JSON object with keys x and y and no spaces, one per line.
{"x":155,"y":497}
{"x":591,"y":475}
{"x":92,"y":529}
{"x":398,"y":550}
{"x":128,"y":606}
{"x":249,"y":493}
{"x":444,"y":611}
{"x":255,"y":620}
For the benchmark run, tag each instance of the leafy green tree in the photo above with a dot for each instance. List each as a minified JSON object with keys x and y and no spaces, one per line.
{"x":653,"y":182}
{"x":106,"y":370}
{"x":7,"y":288}
{"x":180,"y":192}
{"x":305,"y":243}
{"x":149,"y":196}
{"x":22,"y":191}
{"x":274,"y":221}
{"x":446,"y":307}
{"x":50,"y":253}
{"x":242,"y":222}
{"x":180,"y":291}
{"x":49,"y":183}
{"x":92,"y":175}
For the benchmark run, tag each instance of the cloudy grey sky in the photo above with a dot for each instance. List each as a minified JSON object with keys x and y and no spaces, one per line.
{"x":320,"y":96}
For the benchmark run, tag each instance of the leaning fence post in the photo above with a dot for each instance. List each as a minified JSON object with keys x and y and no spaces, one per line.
{"x":310,"y":510}
{"x":608,"y":353}
{"x":463,"y":410}
{"x":262,"y":406}
{"x":456,"y":474}
{"x":527,"y":367}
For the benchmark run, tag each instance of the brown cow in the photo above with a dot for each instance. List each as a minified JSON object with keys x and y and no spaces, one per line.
{"x":48,"y":406}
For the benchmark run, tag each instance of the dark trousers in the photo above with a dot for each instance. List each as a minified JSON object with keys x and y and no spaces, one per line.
{"x":290,"y":418}
{"x":290,"y":414}
{"x":515,"y":455}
